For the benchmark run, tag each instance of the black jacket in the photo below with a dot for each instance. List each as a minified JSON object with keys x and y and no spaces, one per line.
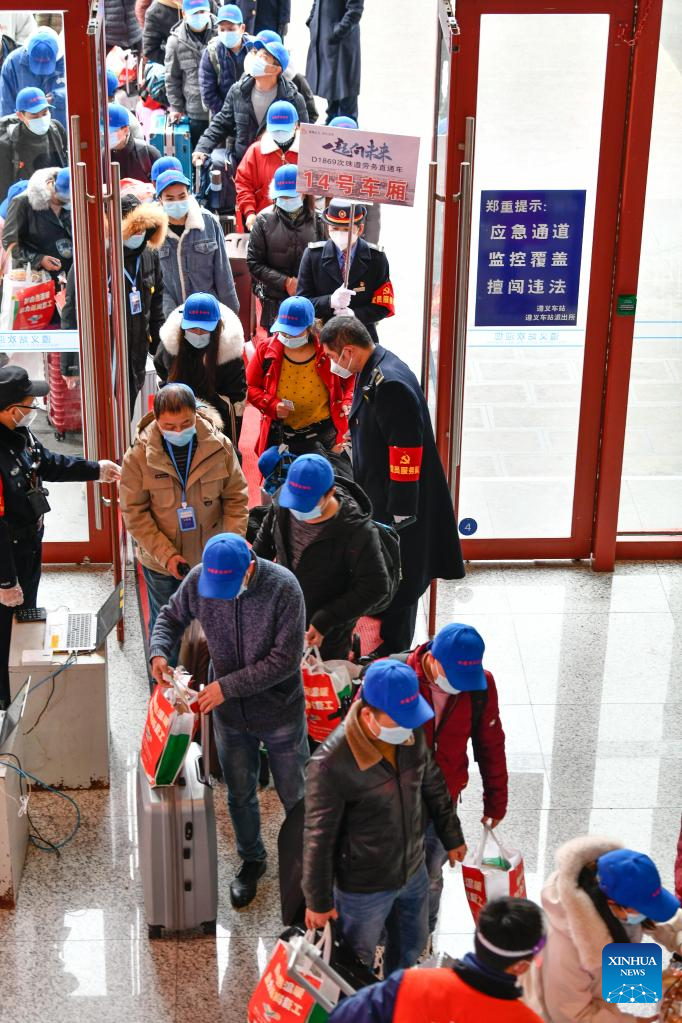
{"x":276,"y":246}
{"x":136,"y":159}
{"x":320,"y":275}
{"x":22,"y":152}
{"x":237,"y":119}
{"x":364,"y":829}
{"x":14,"y":482}
{"x":396,"y":461}
{"x":272,"y":14}
{"x":159,"y":19}
{"x":35,"y":229}
{"x":333,"y":66}
{"x":121,"y":27}
{"x":342,"y":573}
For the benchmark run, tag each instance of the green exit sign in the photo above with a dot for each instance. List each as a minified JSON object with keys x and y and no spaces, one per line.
{"x":626,"y":305}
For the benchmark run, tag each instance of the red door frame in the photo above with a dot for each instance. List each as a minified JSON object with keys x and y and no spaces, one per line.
{"x":462,"y":103}
{"x":82,"y":101}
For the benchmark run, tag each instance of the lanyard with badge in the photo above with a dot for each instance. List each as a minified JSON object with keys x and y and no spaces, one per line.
{"x":186,"y":517}
{"x":134,"y":298}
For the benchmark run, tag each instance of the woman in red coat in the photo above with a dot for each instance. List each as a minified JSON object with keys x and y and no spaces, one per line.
{"x":276,"y":146}
{"x":303,"y":403}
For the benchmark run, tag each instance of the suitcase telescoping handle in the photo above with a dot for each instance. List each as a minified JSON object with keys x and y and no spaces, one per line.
{"x":302,"y":949}
{"x":202,"y":764}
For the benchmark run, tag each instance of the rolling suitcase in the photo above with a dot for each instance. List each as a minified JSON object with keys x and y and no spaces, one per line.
{"x":172,"y":140}
{"x":178,"y":849}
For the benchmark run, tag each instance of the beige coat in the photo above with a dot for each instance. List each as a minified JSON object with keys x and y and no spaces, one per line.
{"x":151,"y":493}
{"x":566,"y":987}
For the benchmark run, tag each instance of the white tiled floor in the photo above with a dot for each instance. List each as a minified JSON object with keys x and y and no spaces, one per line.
{"x":587,"y":667}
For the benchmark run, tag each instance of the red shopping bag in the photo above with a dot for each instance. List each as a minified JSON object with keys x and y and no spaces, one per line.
{"x":279,"y":998}
{"x":327,"y":688}
{"x":33,"y":306}
{"x":485,"y":878}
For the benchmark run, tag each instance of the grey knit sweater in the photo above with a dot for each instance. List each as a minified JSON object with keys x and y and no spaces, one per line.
{"x":255,"y":643}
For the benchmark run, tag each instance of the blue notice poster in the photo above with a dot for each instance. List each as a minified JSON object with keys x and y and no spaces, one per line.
{"x":529,"y":252}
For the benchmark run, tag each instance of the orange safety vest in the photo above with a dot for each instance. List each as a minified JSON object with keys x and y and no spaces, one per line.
{"x":440,"y":996}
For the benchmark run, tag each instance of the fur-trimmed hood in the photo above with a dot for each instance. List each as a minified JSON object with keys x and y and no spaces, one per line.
{"x":39,"y":191}
{"x":231,"y":340}
{"x":574,"y":910}
{"x":148,"y":216}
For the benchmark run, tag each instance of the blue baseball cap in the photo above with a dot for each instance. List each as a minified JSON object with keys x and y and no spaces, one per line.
{"x":112,"y":83}
{"x":200,"y":310}
{"x":16,"y":189}
{"x":632,"y":879}
{"x":223,"y":567}
{"x":342,"y":122}
{"x":269,"y":460}
{"x":281,"y":114}
{"x":170,"y":177}
{"x":191,"y":6}
{"x":275,"y":49}
{"x":231,"y":13}
{"x":42,"y":49}
{"x":164,"y":163}
{"x":118,"y":117}
{"x":62,"y":182}
{"x":309,"y":477}
{"x":295,"y":315}
{"x":284,"y":181}
{"x":31,"y":100}
{"x":266,"y":35}
{"x":459,"y":648}
{"x":393,"y":687}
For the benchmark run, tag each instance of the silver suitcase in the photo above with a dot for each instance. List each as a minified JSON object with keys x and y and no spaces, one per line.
{"x":178,"y":849}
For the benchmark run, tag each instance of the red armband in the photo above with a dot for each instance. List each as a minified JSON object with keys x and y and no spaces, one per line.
{"x":384,"y":296}
{"x":405,"y":464}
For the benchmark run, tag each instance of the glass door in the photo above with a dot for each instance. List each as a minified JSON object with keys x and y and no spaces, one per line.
{"x":519,"y":415}
{"x":52,"y":305}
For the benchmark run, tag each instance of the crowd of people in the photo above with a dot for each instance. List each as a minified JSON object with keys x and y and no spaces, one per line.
{"x":359,"y":524}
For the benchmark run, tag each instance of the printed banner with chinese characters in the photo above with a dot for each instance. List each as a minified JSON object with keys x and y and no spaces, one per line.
{"x":529,"y":254}
{"x":357,"y":165}
{"x":39,"y":341}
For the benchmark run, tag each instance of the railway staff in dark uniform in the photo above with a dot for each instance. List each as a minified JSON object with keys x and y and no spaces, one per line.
{"x":396,"y":462}
{"x":369,"y":294}
{"x":24,"y":465}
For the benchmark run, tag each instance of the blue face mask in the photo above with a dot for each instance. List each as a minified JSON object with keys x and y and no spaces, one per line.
{"x":230,"y":39}
{"x":282,"y":135}
{"x":289,"y":203}
{"x":199,"y":20}
{"x":258,"y":68}
{"x":634,"y":918}
{"x":181,"y":439}
{"x":314,"y":513}
{"x":134,"y":241}
{"x":39,"y":125}
{"x":177,"y":210}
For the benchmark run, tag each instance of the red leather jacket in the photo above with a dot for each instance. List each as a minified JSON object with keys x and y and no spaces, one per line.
{"x":449,"y":740}
{"x":262,"y":378}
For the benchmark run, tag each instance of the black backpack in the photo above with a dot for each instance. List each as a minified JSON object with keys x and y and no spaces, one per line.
{"x":389,"y":541}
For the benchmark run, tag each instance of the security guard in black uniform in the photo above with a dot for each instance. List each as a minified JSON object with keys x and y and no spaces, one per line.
{"x":369,"y":294}
{"x":396,"y":462}
{"x":24,"y":464}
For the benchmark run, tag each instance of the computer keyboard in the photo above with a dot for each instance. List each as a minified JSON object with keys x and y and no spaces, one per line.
{"x":79,"y":631}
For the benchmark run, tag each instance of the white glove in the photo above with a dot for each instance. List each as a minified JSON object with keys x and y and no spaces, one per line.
{"x":340,"y":299}
{"x":109,"y":472}
{"x":12,"y":597}
{"x":400,"y":518}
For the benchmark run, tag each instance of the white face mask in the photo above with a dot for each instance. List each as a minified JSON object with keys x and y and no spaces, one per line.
{"x":396,"y":735}
{"x":27,"y":419}
{"x":39,"y":125}
{"x":135,"y":240}
{"x":259,"y":68}
{"x":198,"y":20}
{"x":340,"y":371}
{"x":340,"y":239}
{"x":293,"y":342}
{"x":314,"y":513}
{"x":282,"y":135}
{"x":442,"y":681}
{"x":197,"y":340}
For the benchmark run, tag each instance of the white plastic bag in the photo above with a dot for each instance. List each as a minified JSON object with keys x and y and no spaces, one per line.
{"x":484,"y":881}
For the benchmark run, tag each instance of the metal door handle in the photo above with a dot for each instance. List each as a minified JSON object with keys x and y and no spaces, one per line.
{"x":85,"y":315}
{"x":428,"y":274}
{"x":119,"y":299}
{"x":461,"y":298}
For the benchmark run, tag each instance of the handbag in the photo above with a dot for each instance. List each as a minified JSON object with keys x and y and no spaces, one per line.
{"x":328,"y":691}
{"x":307,"y":997}
{"x":492,"y":877}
